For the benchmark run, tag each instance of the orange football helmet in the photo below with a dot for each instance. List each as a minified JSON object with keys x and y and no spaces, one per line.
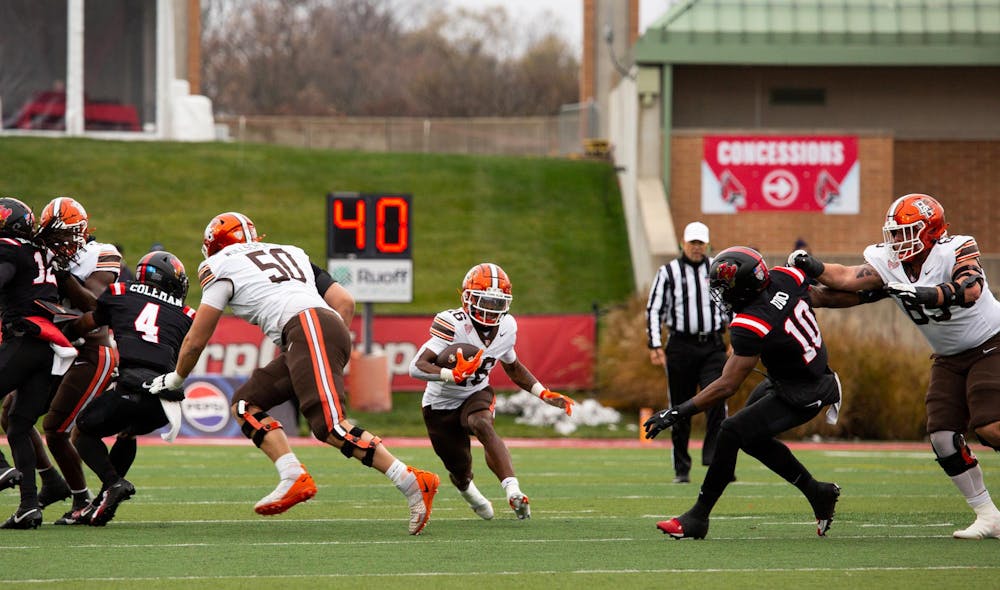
{"x":226,"y":229}
{"x":486,"y":293}
{"x":913,"y":223}
{"x":63,"y":226}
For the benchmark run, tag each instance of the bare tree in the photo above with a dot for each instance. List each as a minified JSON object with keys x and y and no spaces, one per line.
{"x":380,"y":58}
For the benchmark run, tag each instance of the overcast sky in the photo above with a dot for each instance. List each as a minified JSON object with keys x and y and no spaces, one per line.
{"x":569,"y":12}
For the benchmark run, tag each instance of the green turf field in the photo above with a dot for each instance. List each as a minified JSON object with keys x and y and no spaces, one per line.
{"x":191,"y":525}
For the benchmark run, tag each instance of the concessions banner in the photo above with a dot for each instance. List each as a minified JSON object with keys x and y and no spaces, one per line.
{"x":557,"y":349}
{"x":811,"y":173}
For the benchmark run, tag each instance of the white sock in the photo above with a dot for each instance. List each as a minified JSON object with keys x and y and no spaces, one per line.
{"x":288,"y":466}
{"x":401,"y":477}
{"x":472,"y":495}
{"x":511,"y":487}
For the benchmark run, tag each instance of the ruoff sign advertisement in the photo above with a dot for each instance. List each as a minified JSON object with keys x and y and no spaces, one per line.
{"x":780,"y":173}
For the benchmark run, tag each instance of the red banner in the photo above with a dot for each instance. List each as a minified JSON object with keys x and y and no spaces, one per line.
{"x":780,"y":173}
{"x":557,"y":349}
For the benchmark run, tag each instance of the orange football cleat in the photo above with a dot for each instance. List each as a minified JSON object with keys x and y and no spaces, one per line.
{"x":420,"y":510}
{"x":287,"y":494}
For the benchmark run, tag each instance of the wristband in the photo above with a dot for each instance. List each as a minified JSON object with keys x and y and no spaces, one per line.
{"x":447,"y":376}
{"x":537,"y":389}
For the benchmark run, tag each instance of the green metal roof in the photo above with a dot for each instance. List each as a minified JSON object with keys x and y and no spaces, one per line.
{"x":825,"y":32}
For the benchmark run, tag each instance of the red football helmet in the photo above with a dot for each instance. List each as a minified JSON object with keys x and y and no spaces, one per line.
{"x":62,"y":227}
{"x":226,"y":229}
{"x":486,"y":293}
{"x":913,"y":223}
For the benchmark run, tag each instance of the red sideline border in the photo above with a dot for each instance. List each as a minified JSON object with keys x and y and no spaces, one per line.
{"x":549,"y":443}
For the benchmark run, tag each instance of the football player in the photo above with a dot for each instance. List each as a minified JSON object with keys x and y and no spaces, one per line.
{"x":296,"y":304}
{"x":26,"y":352}
{"x":149,"y":320}
{"x":936,"y":279}
{"x":459,"y":402}
{"x":83,"y":268}
{"x":774,"y":324}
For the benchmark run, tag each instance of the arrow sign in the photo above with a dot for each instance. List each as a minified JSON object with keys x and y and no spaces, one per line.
{"x":780,"y":188}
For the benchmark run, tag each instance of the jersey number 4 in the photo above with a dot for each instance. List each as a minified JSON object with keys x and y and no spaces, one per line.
{"x":145,"y":323}
{"x":802,"y":326}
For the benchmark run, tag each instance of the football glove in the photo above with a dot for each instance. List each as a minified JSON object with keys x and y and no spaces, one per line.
{"x":806,"y":262}
{"x":463,"y":368}
{"x":921,"y":295}
{"x":169,"y":387}
{"x":664,"y":419}
{"x":558,"y":400}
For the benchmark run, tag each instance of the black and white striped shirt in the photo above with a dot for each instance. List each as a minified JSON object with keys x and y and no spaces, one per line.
{"x":679,"y":298}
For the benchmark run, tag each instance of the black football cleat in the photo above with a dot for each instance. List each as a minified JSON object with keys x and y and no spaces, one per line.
{"x":78,"y":515}
{"x":52,"y":492}
{"x":824,"y":503}
{"x":10,"y":477}
{"x":24,"y":518}
{"x":108,"y":501}
{"x":684,"y":526}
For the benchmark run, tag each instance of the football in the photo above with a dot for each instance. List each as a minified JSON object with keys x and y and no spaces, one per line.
{"x":449,"y":356}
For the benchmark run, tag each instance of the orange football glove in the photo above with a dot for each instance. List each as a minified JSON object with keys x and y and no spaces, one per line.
{"x":464,"y":368}
{"x":558,"y":400}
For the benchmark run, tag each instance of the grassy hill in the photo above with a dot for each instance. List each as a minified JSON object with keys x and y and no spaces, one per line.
{"x":555,"y":226}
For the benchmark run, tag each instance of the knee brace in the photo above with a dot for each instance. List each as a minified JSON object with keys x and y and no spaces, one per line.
{"x":953,"y":455}
{"x":352,"y":440}
{"x":253,"y":426}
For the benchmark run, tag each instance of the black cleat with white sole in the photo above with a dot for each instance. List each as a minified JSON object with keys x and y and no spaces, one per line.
{"x":24,"y":518}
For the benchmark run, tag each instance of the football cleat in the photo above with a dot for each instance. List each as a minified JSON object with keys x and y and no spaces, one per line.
{"x":9,"y":477}
{"x":108,"y":501}
{"x":682,"y":478}
{"x":823,"y":505}
{"x":982,"y":528}
{"x":684,"y":526}
{"x":520,"y":505}
{"x":55,"y":491}
{"x":484,"y":510}
{"x":79,"y":515}
{"x":420,"y":506}
{"x":288,"y":493}
{"x":24,"y":518}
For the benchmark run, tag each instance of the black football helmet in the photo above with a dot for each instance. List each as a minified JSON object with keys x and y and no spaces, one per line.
{"x":16,"y":219}
{"x":737,"y":276}
{"x":164,"y":271}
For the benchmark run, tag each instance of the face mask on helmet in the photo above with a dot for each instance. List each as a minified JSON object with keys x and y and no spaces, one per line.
{"x":737,"y":277}
{"x":164,"y":271}
{"x":16,"y":219}
{"x":913,"y":223}
{"x":63,"y":227}
{"x":486,"y":294}
{"x":227,"y":229}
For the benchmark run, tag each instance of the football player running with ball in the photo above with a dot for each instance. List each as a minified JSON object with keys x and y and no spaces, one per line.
{"x":774,"y":324}
{"x":936,"y":279}
{"x":301,"y":308}
{"x":459,"y":401}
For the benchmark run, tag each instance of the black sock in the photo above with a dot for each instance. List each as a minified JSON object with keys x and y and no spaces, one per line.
{"x":122,"y":454}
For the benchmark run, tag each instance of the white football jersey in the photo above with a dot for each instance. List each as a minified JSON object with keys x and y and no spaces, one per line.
{"x":454,"y":326}
{"x":272,"y":283}
{"x":955,"y":329}
{"x":94,"y":257}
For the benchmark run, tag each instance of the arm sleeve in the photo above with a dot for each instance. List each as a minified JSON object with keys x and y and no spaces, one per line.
{"x":323,"y":280}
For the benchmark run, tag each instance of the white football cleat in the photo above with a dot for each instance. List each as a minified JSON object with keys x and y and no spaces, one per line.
{"x":982,"y":528}
{"x":484,"y":511}
{"x":519,"y":504}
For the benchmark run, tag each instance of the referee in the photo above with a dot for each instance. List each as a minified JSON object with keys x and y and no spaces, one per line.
{"x":695,"y":351}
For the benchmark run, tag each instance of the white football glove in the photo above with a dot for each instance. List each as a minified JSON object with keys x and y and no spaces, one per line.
{"x":170,"y":386}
